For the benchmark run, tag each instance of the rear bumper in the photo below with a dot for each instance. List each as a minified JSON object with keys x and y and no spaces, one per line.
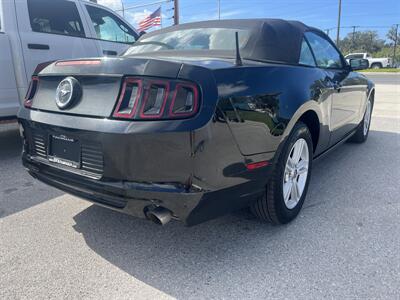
{"x":189,"y":206}
{"x":196,"y":173}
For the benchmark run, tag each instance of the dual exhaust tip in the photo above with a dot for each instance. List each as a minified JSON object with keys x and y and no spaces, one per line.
{"x":159,"y":215}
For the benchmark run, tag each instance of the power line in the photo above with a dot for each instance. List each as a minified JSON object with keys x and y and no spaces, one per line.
{"x":144,"y":5}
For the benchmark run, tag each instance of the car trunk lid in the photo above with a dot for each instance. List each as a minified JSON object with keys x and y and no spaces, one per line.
{"x":99,"y":81}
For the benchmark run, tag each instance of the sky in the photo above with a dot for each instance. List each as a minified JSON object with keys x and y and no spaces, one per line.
{"x":368,"y":14}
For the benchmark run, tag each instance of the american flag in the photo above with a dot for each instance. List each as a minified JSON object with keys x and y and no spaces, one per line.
{"x":151,"y":20}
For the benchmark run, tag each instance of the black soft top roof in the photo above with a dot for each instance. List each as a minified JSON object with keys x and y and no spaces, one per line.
{"x":271,"y":39}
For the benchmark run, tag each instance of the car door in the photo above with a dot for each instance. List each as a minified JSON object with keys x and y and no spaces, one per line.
{"x":52,"y":30}
{"x":112,"y":34}
{"x":346,"y":90}
{"x":9,"y":103}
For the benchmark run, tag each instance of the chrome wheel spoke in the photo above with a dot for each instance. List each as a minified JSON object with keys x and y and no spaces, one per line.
{"x":295,"y":192}
{"x":291,"y":164}
{"x":286,"y":191}
{"x":302,"y":167}
{"x":297,"y":150}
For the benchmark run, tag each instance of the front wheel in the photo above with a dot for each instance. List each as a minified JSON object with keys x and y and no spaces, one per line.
{"x":287,"y":188}
{"x":361,"y":135}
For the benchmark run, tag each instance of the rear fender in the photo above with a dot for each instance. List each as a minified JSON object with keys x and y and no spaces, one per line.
{"x":323,"y":139}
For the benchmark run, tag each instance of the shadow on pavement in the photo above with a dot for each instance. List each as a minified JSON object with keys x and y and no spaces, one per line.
{"x":185,"y":262}
{"x":18,"y":190}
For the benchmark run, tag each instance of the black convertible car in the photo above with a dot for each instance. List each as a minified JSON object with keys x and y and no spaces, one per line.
{"x":196,"y":120}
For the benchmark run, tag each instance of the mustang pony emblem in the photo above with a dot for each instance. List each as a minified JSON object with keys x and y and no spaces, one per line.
{"x":67,"y":92}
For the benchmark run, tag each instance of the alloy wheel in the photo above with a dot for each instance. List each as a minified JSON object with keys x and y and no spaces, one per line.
{"x":367,"y":117}
{"x":295,"y":174}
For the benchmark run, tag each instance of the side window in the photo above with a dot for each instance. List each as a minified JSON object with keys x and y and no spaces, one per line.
{"x":354,"y":56}
{"x":306,"y":57}
{"x":109,"y":27}
{"x":58,"y":17}
{"x":325,"y":54}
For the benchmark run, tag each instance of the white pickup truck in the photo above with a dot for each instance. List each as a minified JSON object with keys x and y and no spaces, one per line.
{"x":35,"y":31}
{"x":374,"y":63}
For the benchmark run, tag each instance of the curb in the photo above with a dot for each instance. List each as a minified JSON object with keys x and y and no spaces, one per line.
{"x":380,"y":73}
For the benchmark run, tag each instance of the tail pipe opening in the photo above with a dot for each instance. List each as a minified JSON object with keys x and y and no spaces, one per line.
{"x":159,"y":215}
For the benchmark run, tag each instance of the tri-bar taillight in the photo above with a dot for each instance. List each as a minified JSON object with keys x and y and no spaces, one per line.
{"x":142,"y":99}
{"x":31,"y":91}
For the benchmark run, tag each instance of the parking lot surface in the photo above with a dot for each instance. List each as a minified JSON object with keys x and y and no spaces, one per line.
{"x":345,"y":243}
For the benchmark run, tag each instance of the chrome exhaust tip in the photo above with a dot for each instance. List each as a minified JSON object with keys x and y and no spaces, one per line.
{"x":159,"y":215}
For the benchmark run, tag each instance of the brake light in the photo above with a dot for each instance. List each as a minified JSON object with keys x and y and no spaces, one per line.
{"x":155,"y":99}
{"x":31,"y":91}
{"x":142,"y":99}
{"x":185,"y":100}
{"x":79,"y":62}
{"x":129,"y":98}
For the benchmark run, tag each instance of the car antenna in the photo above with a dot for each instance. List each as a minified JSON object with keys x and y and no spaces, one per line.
{"x":238,"y":57}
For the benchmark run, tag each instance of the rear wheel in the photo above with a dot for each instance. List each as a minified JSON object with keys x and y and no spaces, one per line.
{"x":361,"y":135}
{"x":287,"y":188}
{"x":376,"y":66}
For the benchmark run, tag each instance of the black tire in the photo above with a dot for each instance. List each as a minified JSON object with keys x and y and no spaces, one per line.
{"x":271,"y":206}
{"x":359,"y":136}
{"x":376,"y":66}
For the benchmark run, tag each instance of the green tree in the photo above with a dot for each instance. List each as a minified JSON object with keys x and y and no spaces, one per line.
{"x":362,"y":41}
{"x":393,"y":36}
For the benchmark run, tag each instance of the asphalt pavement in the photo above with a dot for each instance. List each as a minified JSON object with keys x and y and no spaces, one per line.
{"x":384,"y":78}
{"x":344,"y":245}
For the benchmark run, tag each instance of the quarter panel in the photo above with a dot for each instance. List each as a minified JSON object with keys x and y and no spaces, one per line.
{"x":261,"y":102}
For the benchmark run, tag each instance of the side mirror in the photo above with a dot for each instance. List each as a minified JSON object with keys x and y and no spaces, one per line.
{"x":142,"y":33}
{"x":359,"y":64}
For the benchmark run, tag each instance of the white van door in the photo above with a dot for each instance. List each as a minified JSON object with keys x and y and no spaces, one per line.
{"x":9,"y":103}
{"x":112,"y":34}
{"x":52,"y":30}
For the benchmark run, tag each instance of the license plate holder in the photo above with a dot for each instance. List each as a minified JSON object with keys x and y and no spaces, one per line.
{"x":65,"y":151}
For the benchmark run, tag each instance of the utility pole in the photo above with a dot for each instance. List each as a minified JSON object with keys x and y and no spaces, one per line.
{"x":338,"y":24}
{"x":123,"y":8}
{"x":176,"y":12}
{"x":395,"y":44}
{"x":353,"y":36}
{"x":219,"y":9}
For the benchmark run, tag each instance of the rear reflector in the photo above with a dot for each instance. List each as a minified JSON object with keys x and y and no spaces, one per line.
{"x":78,"y":62}
{"x":257,"y":165}
{"x":31,"y":91}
